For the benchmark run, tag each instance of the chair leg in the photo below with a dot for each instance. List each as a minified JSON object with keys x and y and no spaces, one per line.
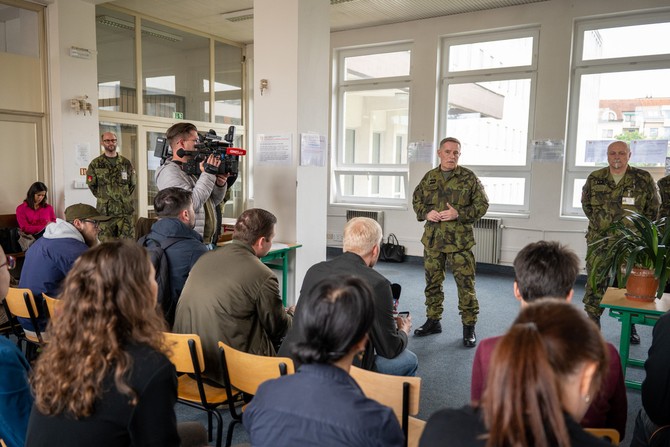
{"x":209,"y":425}
{"x":219,"y":427}
{"x":229,"y":436}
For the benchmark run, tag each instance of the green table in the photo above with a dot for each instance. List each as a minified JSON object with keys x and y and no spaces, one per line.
{"x":632,"y":312}
{"x":277,"y":258}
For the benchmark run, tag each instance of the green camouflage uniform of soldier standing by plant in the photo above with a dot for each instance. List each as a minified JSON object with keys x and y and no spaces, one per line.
{"x":604,"y":201}
{"x":450,"y":198}
{"x":664,"y":188}
{"x":112,"y":179}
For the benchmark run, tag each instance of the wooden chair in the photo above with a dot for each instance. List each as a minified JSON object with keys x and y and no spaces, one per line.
{"x":415,"y":431}
{"x":52,"y":305}
{"x":245,"y":372}
{"x":188,"y":359}
{"x":400,"y":393}
{"x":608,"y":434}
{"x":20,"y":303}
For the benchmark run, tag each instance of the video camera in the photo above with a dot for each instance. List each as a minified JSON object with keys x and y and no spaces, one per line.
{"x":208,"y":144}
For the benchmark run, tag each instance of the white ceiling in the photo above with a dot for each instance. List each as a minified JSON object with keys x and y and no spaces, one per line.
{"x":205,"y":15}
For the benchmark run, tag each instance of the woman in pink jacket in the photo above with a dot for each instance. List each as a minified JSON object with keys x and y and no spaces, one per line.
{"x":34,"y":214}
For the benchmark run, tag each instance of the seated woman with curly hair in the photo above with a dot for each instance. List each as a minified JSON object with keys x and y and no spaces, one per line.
{"x":103,"y":378}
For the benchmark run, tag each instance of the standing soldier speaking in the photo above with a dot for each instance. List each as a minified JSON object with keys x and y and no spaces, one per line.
{"x":111,"y":179}
{"x":605,"y":195}
{"x":450,"y":198}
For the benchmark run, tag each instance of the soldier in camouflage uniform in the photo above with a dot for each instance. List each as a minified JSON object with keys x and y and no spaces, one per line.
{"x":606,"y":194}
{"x":449,"y":198}
{"x":111,"y":178}
{"x":664,"y":188}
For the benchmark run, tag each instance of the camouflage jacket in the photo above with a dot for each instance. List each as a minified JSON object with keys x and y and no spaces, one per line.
{"x":113,"y":184}
{"x":604,"y":202}
{"x":464,"y":192}
{"x":664,"y":188}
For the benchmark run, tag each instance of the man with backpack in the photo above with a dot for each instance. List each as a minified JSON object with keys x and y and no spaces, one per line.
{"x":173,"y":245}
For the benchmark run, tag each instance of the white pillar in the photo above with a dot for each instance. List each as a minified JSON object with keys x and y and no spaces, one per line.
{"x":292,"y":51}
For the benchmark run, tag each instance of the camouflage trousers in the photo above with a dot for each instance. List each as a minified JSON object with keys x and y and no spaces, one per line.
{"x":593,"y":297}
{"x":462,"y":265}
{"x":118,"y":227}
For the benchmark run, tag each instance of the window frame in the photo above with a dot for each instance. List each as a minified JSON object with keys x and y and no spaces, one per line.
{"x":340,"y":133}
{"x":528,"y":71}
{"x":580,"y":68}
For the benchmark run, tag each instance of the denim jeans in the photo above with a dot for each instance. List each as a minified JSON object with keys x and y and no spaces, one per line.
{"x":405,"y":364}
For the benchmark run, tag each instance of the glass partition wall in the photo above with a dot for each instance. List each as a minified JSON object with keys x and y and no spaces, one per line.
{"x":184,"y":75}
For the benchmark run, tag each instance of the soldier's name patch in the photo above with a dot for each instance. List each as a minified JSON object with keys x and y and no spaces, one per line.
{"x":628,"y":200}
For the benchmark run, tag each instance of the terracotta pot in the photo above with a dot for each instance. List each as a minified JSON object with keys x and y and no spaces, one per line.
{"x":641,"y":285}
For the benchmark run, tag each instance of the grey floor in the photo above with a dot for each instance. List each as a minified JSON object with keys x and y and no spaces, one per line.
{"x":444,"y":364}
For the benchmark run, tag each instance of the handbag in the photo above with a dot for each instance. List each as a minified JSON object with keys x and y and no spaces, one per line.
{"x":391,"y":250}
{"x":9,"y":239}
{"x":25,"y":240}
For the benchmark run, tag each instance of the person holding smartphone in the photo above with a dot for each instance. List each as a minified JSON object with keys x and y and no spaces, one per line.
{"x":386,"y":352}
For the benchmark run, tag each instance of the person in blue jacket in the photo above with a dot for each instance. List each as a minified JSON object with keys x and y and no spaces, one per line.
{"x":51,"y":257}
{"x":15,"y":398}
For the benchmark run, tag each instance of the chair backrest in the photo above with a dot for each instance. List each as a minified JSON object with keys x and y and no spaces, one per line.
{"x":416,"y":427}
{"x":388,"y":390}
{"x":247,"y":371}
{"x":21,"y":303}
{"x":53,"y":305}
{"x":609,"y":434}
{"x":180,"y":352}
{"x":400,"y":393}
{"x":16,"y":302}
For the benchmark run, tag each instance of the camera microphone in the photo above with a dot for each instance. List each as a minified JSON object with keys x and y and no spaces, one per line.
{"x":183,"y":153}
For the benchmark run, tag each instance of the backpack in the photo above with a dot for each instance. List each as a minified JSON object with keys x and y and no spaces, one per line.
{"x":160,"y":262}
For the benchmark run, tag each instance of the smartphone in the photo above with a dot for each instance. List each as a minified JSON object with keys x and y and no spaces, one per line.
{"x":403,"y":314}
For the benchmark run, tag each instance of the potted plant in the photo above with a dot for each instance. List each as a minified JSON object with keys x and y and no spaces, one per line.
{"x":635,"y":248}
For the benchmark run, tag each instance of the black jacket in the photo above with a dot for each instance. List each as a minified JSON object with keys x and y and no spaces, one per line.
{"x":385,"y":337}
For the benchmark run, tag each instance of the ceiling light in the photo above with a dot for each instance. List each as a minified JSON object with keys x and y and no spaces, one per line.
{"x":115,"y":22}
{"x":248,"y":14}
{"x":239,"y":16}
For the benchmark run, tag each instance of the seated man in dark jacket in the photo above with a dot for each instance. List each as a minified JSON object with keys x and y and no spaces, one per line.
{"x":175,"y":234}
{"x":652,"y":426}
{"x":387,"y":351}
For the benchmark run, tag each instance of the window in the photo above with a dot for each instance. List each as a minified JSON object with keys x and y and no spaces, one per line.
{"x":626,"y":77}
{"x":373,"y":91}
{"x":486,"y":100}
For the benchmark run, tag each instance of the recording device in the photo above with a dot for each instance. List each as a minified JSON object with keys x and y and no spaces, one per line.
{"x":208,"y":144}
{"x":404,"y":314}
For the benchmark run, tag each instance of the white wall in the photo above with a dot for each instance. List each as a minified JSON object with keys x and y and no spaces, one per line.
{"x":71,"y":23}
{"x":555,"y":19}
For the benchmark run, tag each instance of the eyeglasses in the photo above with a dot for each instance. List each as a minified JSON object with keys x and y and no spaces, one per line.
{"x":109,"y":141}
{"x":91,"y":221}
{"x":10,"y":263}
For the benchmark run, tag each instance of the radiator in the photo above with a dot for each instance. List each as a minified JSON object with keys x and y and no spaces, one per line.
{"x":375,"y":215}
{"x":488,"y":236}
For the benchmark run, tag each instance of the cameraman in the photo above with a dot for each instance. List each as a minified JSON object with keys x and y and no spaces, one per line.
{"x":208,"y":189}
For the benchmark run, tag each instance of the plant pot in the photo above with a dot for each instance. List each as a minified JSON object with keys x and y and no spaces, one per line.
{"x":641,"y":285}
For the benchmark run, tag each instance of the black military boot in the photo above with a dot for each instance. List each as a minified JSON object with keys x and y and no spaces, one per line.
{"x":469,"y":336}
{"x":634,"y":338}
{"x":431,"y":326}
